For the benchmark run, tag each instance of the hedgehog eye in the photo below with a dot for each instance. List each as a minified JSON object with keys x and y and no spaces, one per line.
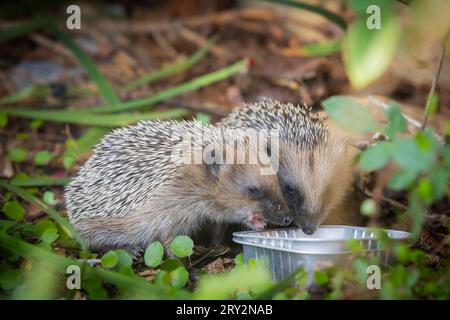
{"x":288,"y":188}
{"x":253,"y":191}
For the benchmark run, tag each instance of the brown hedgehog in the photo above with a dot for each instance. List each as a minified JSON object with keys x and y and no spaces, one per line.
{"x":134,"y":189}
{"x":315,"y":170}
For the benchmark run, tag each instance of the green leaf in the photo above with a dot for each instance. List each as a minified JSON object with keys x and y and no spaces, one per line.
{"x":3,"y":119}
{"x":239,"y":259}
{"x":179,"y":277}
{"x":369,"y":207}
{"x":88,"y":118}
{"x":170,"y":265}
{"x":110,"y":259}
{"x":182,"y":246}
{"x":43,"y":181}
{"x":14,"y":210}
{"x":376,"y":157}
{"x":63,"y":223}
{"x":125,"y":259}
{"x":348,"y":113}
{"x":173,"y":68}
{"x":22,"y":29}
{"x":397,"y":123}
{"x":49,"y":198}
{"x":369,"y":52}
{"x":44,"y":225}
{"x":321,"y":49}
{"x":17,"y":154}
{"x":50,"y":235}
{"x":402,"y":179}
{"x":43,"y":157}
{"x":409,"y":156}
{"x":10,"y":279}
{"x":321,"y":277}
{"x":154,"y":254}
{"x":203,"y":118}
{"x":32,"y":91}
{"x":432,"y":103}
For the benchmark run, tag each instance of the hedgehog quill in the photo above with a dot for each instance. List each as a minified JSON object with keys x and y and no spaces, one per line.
{"x":131,"y":192}
{"x":315,"y":171}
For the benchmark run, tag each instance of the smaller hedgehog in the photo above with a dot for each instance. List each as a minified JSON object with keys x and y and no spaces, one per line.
{"x":315,"y":171}
{"x":134,"y":189}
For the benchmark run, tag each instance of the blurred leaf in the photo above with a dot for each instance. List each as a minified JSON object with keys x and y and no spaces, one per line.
{"x":416,"y":210}
{"x":17,"y":154}
{"x":173,"y":68}
{"x":87,"y":118}
{"x":125,"y":258}
{"x":194,"y":84}
{"x":432,"y":103}
{"x":43,"y":181}
{"x":102,"y":83}
{"x":154,"y":254}
{"x":182,"y":246}
{"x":239,"y":259}
{"x":3,"y":119}
{"x":50,"y":235}
{"x":171,"y":264}
{"x":43,"y":157}
{"x":203,"y":118}
{"x":49,"y":198}
{"x":44,"y":225}
{"x":409,"y":156}
{"x":397,"y":123}
{"x":369,"y":207}
{"x":10,"y":279}
{"x":321,"y":49}
{"x":376,"y":157}
{"x":14,"y":210}
{"x":349,"y":114}
{"x":402,"y":179}
{"x":321,"y":278}
{"x":333,"y":17}
{"x":179,"y":277}
{"x":32,"y":91}
{"x":369,"y":52}
{"x":223,"y":285}
{"x":23,"y":29}
{"x":110,"y":259}
{"x":439,"y":179}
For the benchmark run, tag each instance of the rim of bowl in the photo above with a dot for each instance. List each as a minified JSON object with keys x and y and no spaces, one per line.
{"x":402,"y":235}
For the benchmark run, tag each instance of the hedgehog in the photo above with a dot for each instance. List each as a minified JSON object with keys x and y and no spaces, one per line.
{"x":142,"y":184}
{"x":315,"y":167}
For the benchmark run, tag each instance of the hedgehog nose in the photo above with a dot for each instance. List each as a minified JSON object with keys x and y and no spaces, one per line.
{"x":309,"y":230}
{"x":287,"y":221}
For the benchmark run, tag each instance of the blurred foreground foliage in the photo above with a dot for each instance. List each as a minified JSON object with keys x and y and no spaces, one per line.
{"x":36,"y":258}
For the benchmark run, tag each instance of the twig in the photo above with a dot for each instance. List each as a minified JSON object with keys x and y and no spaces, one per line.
{"x":433,"y":85}
{"x":201,"y":41}
{"x":378,"y":103}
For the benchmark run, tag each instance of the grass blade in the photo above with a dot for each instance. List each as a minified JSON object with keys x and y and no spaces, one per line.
{"x":102,"y":83}
{"x":333,"y":17}
{"x":86,"y":118}
{"x":321,"y":49}
{"x":21,"y":30}
{"x":173,"y":68}
{"x":32,"y":91}
{"x":40,"y":181}
{"x":194,"y":84}
{"x":68,"y":228}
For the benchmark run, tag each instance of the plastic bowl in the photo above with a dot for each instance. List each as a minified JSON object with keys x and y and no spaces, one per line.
{"x":285,"y":250}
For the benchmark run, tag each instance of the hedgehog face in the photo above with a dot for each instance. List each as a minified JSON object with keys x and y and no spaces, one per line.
{"x":249,"y":197}
{"x":314,"y":181}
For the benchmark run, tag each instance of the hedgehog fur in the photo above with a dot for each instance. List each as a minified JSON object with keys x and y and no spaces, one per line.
{"x":131,"y":192}
{"x":315,"y":170}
